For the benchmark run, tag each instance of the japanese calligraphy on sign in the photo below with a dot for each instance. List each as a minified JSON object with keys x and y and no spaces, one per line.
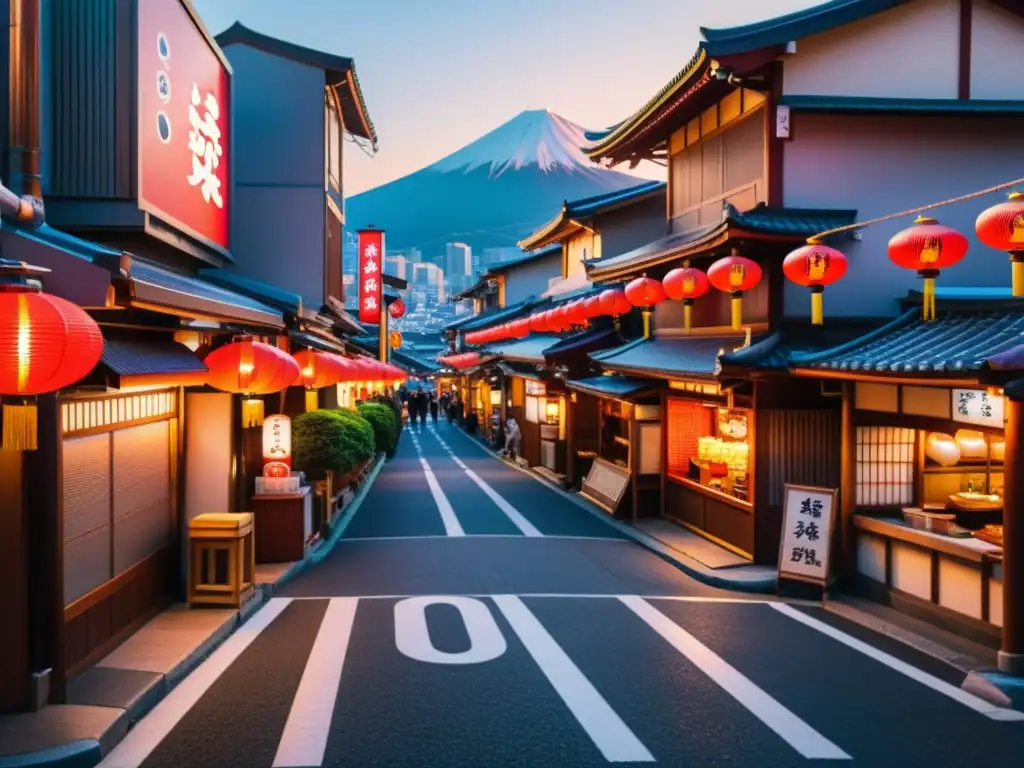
{"x":371,"y":261}
{"x":808,"y":517}
{"x":204,"y":144}
{"x":976,"y":406}
{"x":277,"y":440}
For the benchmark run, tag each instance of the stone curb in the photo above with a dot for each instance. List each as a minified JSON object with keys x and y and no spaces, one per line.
{"x":759,"y":586}
{"x":87,"y":753}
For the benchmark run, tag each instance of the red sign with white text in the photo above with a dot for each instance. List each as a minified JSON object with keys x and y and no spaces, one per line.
{"x":371,"y":263}
{"x":184,"y":123}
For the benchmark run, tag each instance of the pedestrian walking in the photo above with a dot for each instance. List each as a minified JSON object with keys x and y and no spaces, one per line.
{"x":513,"y":437}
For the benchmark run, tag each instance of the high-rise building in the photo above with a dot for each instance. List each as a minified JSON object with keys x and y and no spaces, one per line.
{"x":458,"y":259}
{"x":493,"y":256}
{"x":397,"y":266}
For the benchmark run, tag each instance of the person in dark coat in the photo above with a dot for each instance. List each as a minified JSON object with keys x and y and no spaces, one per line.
{"x":433,"y":409}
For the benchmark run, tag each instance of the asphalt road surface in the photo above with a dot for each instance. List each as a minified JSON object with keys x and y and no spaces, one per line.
{"x":472,"y":617}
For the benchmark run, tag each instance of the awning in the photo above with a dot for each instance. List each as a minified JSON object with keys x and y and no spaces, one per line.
{"x":615,"y":387}
{"x":691,"y":357}
{"x":316,"y":341}
{"x":524,"y":371}
{"x":954,"y":342}
{"x":151,"y":362}
{"x":161,"y":290}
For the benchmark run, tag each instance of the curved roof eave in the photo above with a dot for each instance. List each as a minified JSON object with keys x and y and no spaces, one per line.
{"x":697,"y":64}
{"x":535,"y":239}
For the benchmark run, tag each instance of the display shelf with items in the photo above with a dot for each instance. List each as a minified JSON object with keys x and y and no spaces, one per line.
{"x":964,"y":472}
{"x":709,"y":446}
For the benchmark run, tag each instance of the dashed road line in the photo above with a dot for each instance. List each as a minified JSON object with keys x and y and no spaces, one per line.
{"x":452,"y":527}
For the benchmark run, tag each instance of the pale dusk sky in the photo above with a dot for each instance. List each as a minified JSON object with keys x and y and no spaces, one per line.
{"x":437,"y":74}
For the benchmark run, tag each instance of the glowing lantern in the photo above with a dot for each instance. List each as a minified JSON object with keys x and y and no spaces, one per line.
{"x":1002,"y":227}
{"x":46,"y":344}
{"x":250,"y":368}
{"x":942,"y":449}
{"x":687,"y":284}
{"x":815,"y":265}
{"x":971,"y":443}
{"x":537,"y":323}
{"x":397,"y":309}
{"x":277,"y":443}
{"x":928,"y":247}
{"x":316,"y":371}
{"x":645,"y":292}
{"x":735,"y":274}
{"x":395,"y":338}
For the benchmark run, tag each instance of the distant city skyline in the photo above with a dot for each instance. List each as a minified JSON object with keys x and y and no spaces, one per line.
{"x":428,"y":97}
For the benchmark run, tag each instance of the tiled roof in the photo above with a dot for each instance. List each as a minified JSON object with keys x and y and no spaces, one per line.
{"x":775,"y":352}
{"x":487,"y":319}
{"x":686,"y":357}
{"x":795,"y":223}
{"x":956,"y":341}
{"x":133,"y":357}
{"x":621,"y":387}
{"x":862,"y":104}
{"x":584,"y":341}
{"x":528,"y":350}
{"x":317,"y":341}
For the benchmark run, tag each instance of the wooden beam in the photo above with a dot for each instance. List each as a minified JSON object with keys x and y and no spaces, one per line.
{"x":966,"y":22}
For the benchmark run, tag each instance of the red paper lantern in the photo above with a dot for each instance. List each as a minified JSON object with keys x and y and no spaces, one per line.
{"x":318,"y":369}
{"x":1002,"y":227}
{"x":614,"y":302}
{"x":592,"y":307}
{"x":576,"y":313}
{"x":521,"y":328}
{"x":814,"y":266}
{"x":645,"y":292}
{"x":735,"y":274}
{"x":396,"y":309}
{"x":687,"y":284}
{"x":251,"y":368}
{"x":537,"y":324}
{"x":46,"y":344}
{"x":927,"y":247}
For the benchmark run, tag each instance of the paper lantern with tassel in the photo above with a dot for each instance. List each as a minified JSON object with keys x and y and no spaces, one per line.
{"x":1002,"y":227}
{"x":46,"y":344}
{"x":687,"y":284}
{"x":814,"y":266}
{"x":251,"y":368}
{"x":735,"y":274}
{"x":396,"y":309}
{"x":928,"y":247}
{"x":645,"y":293}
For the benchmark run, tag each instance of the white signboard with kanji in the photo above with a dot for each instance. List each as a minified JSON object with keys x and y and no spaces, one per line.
{"x":808,"y":518}
{"x":976,"y":406}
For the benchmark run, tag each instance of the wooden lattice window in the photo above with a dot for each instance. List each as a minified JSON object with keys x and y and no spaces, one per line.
{"x":885,"y":466}
{"x":686,"y":423}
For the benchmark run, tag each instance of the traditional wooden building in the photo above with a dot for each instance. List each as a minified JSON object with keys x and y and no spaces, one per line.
{"x":774,"y":132}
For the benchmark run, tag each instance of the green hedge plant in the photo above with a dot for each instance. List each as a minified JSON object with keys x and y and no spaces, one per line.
{"x":330,"y":441}
{"x":385,"y":425}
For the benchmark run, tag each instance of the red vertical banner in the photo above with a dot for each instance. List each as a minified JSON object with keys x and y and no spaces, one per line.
{"x":371,"y":268}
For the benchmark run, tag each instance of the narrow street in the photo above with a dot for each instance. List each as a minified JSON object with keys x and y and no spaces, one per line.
{"x":470,"y":616}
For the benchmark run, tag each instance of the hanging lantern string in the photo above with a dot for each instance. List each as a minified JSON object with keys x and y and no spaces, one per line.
{"x":888,"y":217}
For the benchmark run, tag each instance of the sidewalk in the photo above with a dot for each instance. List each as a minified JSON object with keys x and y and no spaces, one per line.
{"x":105,"y":700}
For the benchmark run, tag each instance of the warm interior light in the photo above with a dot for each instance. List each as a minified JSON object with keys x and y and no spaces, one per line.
{"x":971,"y":443}
{"x":997,"y":450}
{"x":551,"y":409}
{"x":24,"y":342}
{"x":942,"y":449}
{"x":252,"y":412}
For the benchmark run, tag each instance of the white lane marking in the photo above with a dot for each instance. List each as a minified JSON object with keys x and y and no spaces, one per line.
{"x":563,"y":595}
{"x":511,"y":512}
{"x":412,"y":635}
{"x":452,"y":527}
{"x":794,"y":731}
{"x":147,"y":734}
{"x":482,"y":536}
{"x":605,"y":728}
{"x":304,"y":740}
{"x":939,"y":686}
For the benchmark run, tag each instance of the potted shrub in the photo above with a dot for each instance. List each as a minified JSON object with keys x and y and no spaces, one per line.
{"x":385,"y":426}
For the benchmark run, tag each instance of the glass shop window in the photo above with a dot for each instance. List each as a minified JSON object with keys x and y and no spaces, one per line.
{"x":885,"y":466}
{"x":709,"y":445}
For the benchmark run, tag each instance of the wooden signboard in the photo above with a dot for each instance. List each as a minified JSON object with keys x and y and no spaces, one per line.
{"x":605,"y":485}
{"x":808,"y":519}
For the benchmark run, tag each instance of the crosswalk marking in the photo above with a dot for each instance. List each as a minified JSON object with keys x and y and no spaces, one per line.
{"x":606,"y":729}
{"x":939,"y":686}
{"x":304,"y":740}
{"x":798,"y":734}
{"x":149,"y":732}
{"x":513,"y":514}
{"x":452,"y":527}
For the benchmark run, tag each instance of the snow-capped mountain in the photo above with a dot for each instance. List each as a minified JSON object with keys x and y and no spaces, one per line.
{"x":492,"y":192}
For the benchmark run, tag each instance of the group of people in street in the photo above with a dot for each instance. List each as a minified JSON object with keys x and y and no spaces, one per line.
{"x":418,"y":403}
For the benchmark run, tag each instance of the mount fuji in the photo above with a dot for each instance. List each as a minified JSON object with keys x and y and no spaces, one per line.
{"x":492,"y":192}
